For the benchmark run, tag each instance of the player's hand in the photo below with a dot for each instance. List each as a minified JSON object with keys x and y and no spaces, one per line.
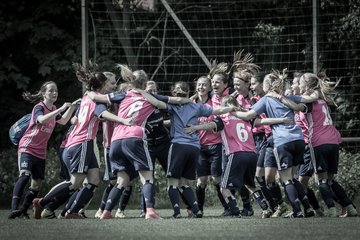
{"x":189,"y":129}
{"x":128,"y":121}
{"x":65,"y":106}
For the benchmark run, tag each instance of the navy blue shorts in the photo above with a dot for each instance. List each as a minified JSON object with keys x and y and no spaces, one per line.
{"x":326,"y":158}
{"x":160,"y":152}
{"x":290,"y":154}
{"x":209,"y":162}
{"x":64,"y":173}
{"x":182,"y":161}
{"x":269,"y":159}
{"x":129,"y":155}
{"x":240,"y":169}
{"x":81,"y":157}
{"x":33,"y":164}
{"x":306,"y":168}
{"x":261,"y":143}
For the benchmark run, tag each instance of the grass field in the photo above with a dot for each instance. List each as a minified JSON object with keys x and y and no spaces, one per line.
{"x":209,"y":227}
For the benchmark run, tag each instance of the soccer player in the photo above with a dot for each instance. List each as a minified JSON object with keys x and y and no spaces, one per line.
{"x":266,"y":168}
{"x":305,"y":170}
{"x":210,"y":158}
{"x":33,"y":144}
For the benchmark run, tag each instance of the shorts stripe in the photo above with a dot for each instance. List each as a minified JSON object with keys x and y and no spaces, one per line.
{"x":277,"y":159}
{"x":169,"y":157}
{"x":148,"y":157}
{"x":82,"y":157}
{"x":227,"y":171}
{"x":313,"y":158}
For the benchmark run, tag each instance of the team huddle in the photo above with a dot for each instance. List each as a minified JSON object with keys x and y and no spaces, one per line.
{"x":240,"y":126}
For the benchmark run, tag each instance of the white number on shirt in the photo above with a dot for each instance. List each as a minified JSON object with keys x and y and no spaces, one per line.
{"x":327,"y":117}
{"x":134,"y":109}
{"x":243,"y":135}
{"x":83,"y":114}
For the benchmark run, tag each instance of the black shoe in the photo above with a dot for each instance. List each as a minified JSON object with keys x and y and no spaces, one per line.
{"x":14,"y":214}
{"x":83,"y":215}
{"x":309,"y":213}
{"x":247,"y":212}
{"x":199,"y":214}
{"x":24,"y":215}
{"x":294,"y":215}
{"x":226,"y":213}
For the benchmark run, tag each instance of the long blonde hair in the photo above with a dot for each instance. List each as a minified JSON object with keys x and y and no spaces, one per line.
{"x":277,"y":81}
{"x":322,"y":83}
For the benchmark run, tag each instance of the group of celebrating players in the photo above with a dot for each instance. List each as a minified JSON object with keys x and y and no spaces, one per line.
{"x":240,"y":126}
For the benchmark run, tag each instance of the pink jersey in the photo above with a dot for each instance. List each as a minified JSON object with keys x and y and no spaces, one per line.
{"x":134,"y":105}
{"x":237,"y":135}
{"x":87,"y":125}
{"x":243,"y":101}
{"x":216,"y":101}
{"x":321,"y":128}
{"x":36,"y":137}
{"x":260,"y":128}
{"x":208,"y":137}
{"x":108,"y":129}
{"x":300,"y":120}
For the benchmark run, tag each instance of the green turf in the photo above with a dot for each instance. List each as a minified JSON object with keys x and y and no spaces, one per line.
{"x":209,"y":227}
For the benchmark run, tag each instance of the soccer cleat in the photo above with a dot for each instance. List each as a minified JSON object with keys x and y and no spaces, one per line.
{"x":73,"y":216}
{"x":332,"y":212}
{"x":236,"y":215}
{"x":199,"y":214}
{"x":266,"y":213}
{"x":142,"y":214}
{"x":120,"y":214}
{"x":106,"y":215}
{"x":294,"y":215}
{"x":98,"y":213}
{"x":152,"y":214}
{"x":309,"y":213}
{"x":280,"y":210}
{"x":177,"y":215}
{"x":247,"y":212}
{"x":24,"y":215}
{"x":48,"y":214}
{"x":60,"y":216}
{"x":37,"y":208}
{"x":226,"y":213}
{"x":350,"y":212}
{"x":82,"y":213}
{"x":14,"y":214}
